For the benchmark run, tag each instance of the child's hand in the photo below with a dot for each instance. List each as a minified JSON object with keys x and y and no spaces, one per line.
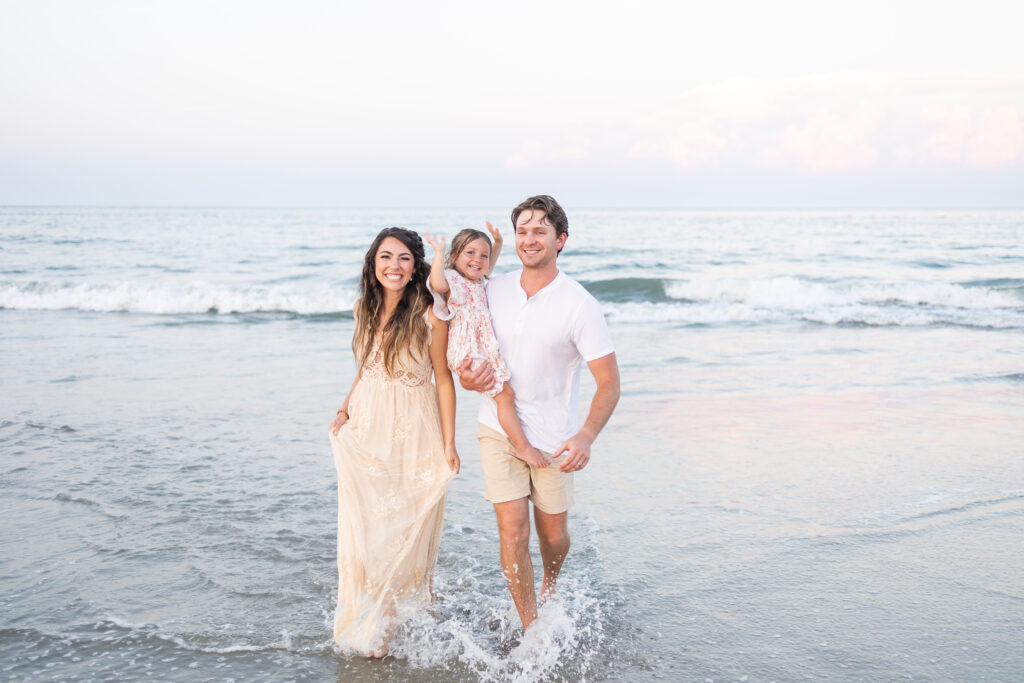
{"x":432,"y":241}
{"x":495,"y":234}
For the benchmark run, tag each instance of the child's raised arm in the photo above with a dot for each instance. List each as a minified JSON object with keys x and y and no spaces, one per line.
{"x":437,"y":279}
{"x":496,"y":249}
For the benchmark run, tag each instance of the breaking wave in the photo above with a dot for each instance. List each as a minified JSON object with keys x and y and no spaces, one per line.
{"x":169,"y":299}
{"x":781,"y":299}
{"x":991,"y":304}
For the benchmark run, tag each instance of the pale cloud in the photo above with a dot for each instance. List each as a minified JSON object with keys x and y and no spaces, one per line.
{"x":693,"y":142}
{"x":841,"y":122}
{"x":573,"y":147}
{"x":704,"y":125}
{"x":989,"y":138}
{"x":830,"y":141}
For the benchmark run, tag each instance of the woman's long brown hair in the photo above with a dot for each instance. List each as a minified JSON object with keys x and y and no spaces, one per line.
{"x":405,"y":331}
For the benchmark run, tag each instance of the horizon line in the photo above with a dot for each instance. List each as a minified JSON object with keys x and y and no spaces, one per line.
{"x":337,"y":207}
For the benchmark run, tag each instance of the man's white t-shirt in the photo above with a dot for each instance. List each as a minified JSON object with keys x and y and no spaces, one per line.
{"x":544,"y":341}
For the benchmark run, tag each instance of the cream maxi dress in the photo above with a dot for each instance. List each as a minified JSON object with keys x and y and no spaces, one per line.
{"x":392,"y":482}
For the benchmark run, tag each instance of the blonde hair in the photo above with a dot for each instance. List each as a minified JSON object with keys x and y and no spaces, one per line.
{"x":406,"y":331}
{"x":462,"y":239}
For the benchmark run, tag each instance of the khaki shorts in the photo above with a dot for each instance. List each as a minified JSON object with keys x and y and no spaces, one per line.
{"x":509,"y":478}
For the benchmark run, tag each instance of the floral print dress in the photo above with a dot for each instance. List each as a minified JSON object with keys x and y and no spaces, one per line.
{"x":469,"y":327}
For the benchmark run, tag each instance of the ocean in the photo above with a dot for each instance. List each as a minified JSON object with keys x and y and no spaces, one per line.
{"x":816,"y":470}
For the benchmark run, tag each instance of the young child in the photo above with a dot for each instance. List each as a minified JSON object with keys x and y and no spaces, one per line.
{"x":461,"y":282}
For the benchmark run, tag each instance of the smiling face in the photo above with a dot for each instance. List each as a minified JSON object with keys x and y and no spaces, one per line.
{"x":393,"y":265}
{"x":537,"y":241}
{"x":473,"y":261}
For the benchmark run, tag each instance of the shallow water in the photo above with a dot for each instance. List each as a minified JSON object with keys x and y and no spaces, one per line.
{"x":815,"y":470}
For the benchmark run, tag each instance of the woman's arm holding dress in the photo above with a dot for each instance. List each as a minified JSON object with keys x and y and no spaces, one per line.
{"x":342,"y":417}
{"x":445,"y":387}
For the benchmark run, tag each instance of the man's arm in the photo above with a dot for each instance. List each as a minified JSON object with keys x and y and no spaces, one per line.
{"x":577,"y":449}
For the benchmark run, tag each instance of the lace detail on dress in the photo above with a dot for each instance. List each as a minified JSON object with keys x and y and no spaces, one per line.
{"x":397,"y":546}
{"x":389,"y":504}
{"x":410,"y":371}
{"x":410,"y":379}
{"x":373,"y":465}
{"x":400,"y":429}
{"x":425,"y":478}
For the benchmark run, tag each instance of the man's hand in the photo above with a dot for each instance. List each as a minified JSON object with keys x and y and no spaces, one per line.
{"x":479,"y":379}
{"x":577,"y":449}
{"x":577,"y":452}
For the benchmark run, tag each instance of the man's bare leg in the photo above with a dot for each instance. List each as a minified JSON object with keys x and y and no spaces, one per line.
{"x":514,"y":535}
{"x":553,"y":534}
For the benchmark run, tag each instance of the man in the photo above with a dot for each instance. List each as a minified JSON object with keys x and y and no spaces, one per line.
{"x":547,"y":326}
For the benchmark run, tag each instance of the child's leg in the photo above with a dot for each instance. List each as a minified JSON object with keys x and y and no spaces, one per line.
{"x":509,"y":420}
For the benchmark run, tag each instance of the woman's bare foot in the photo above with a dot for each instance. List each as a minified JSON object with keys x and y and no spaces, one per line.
{"x":379,"y":653}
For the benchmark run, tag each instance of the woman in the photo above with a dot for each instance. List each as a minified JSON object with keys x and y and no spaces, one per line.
{"x":394,"y":448}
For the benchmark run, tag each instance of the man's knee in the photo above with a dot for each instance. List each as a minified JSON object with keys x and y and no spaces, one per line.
{"x":556,"y":538}
{"x":513,"y":525}
{"x":514,"y":534}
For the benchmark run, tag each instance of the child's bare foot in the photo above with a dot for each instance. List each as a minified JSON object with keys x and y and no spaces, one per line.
{"x":531,"y":456}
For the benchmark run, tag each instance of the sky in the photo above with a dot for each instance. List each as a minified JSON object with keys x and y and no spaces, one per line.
{"x":734,"y":104}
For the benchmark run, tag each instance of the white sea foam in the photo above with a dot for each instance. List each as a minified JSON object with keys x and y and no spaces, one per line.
{"x":875,"y":315}
{"x":154,"y":631}
{"x":790,"y":293}
{"x":544,"y":644}
{"x":474,"y":630}
{"x":566,"y":637}
{"x":781,"y":299}
{"x":124,"y":623}
{"x":169,"y":299}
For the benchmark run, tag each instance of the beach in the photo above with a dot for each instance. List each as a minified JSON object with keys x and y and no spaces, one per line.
{"x":815,"y":471}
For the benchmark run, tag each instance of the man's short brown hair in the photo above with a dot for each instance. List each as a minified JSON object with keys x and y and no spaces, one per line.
{"x":553,"y":211}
